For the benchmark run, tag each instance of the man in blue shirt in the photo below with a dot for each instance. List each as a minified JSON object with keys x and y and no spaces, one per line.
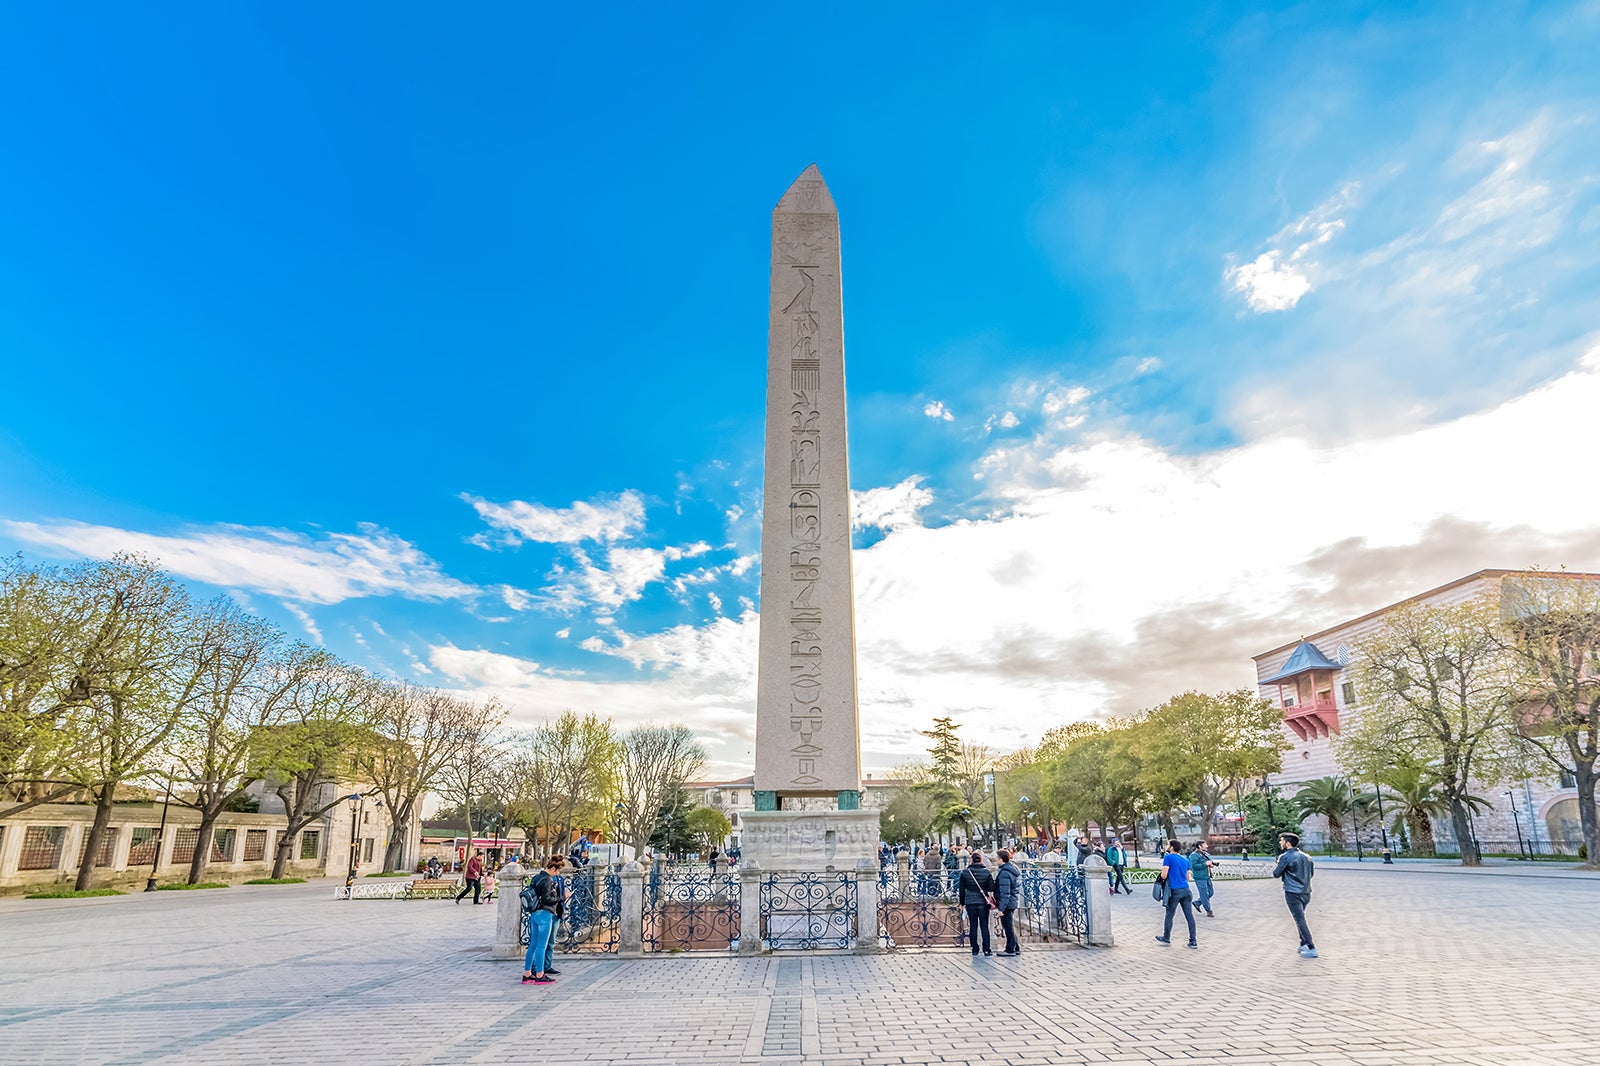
{"x":1175,"y":873}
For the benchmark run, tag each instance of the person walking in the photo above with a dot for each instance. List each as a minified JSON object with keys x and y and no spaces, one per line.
{"x":977,"y":895}
{"x":543,"y":903}
{"x":1117,"y":858}
{"x":952,"y":866}
{"x":1295,"y":868}
{"x":1175,"y":872}
{"x":1008,"y":893}
{"x":712,"y":858}
{"x":474,"y":879}
{"x":932,"y":872}
{"x":1200,"y":866}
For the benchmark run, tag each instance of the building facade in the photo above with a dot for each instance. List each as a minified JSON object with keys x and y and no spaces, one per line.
{"x":1312,"y":681}
{"x":44,"y":846}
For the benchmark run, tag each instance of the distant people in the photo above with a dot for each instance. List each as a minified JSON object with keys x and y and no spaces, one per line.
{"x":1244,"y":852}
{"x":952,"y":866}
{"x":1295,"y":869}
{"x":1007,"y":894}
{"x":474,"y":878}
{"x":712,"y":859}
{"x":1200,"y":866}
{"x":542,"y":899}
{"x":490,"y":883}
{"x":932,"y":868}
{"x":1083,"y":850}
{"x":434,"y":866}
{"x":1117,"y":859}
{"x":977,"y":895}
{"x":1175,"y":872}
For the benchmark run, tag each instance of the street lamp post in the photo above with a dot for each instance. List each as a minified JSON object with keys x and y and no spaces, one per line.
{"x":1383,"y":830}
{"x":994,"y":799}
{"x":616,"y":844}
{"x":1517,"y":821}
{"x":161,"y":838}
{"x":355,"y":808}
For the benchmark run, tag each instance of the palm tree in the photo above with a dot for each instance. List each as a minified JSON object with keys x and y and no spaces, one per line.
{"x":1415,"y":788}
{"x":1332,"y":798}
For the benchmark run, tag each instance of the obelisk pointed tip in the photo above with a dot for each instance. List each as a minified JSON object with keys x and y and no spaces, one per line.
{"x":807,"y":196}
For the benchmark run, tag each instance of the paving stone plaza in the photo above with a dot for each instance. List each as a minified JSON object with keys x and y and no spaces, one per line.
{"x":1418,"y":966}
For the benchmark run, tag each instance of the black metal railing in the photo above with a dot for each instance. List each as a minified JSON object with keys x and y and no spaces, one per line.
{"x":1054,"y":902}
{"x":592,"y":916}
{"x":919,"y":911}
{"x":691,"y":911}
{"x":808,"y":910}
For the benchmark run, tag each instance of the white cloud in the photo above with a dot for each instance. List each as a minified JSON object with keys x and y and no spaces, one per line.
{"x":1280,"y":276}
{"x":936,"y":410}
{"x":305,"y":620}
{"x":622,"y":579}
{"x":1009,"y":420}
{"x":1147,"y":366}
{"x":326,"y":568}
{"x":890,"y":507}
{"x":515,"y":598}
{"x":1058,"y":400}
{"x":606,"y":518}
{"x":563,"y":634}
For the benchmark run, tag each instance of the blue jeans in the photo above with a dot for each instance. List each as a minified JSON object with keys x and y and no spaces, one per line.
{"x":1179,"y":898}
{"x":541,"y":942}
{"x":1202,"y":888}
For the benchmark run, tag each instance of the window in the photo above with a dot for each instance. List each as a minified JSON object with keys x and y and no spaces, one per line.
{"x":255,"y":845}
{"x":1569,"y":779}
{"x":143,"y":845}
{"x":366,"y":817}
{"x":41,"y":847}
{"x":366,"y":850}
{"x":107,"y":851}
{"x":222,"y":841}
{"x":1348,"y":690}
{"x":310,"y":843}
{"x":184,"y":843}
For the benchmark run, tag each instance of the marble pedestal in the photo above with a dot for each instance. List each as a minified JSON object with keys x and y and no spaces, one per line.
{"x":809,"y":841}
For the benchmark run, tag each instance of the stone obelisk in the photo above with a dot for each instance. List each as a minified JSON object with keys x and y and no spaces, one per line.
{"x":808,"y":747}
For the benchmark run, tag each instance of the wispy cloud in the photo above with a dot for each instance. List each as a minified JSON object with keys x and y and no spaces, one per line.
{"x":605,"y":518}
{"x":890,"y":507}
{"x":324,"y":568}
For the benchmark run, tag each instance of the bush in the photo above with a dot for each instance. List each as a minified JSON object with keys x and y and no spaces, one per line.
{"x":71,"y":893}
{"x":186,"y":887}
{"x":391,"y":873}
{"x":277,"y":881}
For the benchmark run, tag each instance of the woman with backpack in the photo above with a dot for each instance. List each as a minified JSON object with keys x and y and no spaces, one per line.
{"x":977,"y":894}
{"x":542,"y":902}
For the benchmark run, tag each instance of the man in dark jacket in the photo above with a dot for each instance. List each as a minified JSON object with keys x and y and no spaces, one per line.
{"x":977,"y":895}
{"x":1295,"y":868}
{"x":1007,"y":892}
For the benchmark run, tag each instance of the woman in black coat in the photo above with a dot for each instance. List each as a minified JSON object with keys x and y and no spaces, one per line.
{"x":977,"y":895}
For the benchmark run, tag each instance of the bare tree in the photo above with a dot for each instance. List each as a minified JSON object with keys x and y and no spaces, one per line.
{"x":654,"y":763}
{"x":141,"y":675}
{"x":240,"y":693}
{"x":474,"y":767}
{"x":417,"y":733}
{"x":326,"y":708}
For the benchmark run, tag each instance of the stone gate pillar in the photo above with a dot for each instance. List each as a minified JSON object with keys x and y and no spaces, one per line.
{"x":750,"y":907}
{"x":1096,"y":904}
{"x":630,"y":921}
{"x":867,"y":933}
{"x":508,"y":911}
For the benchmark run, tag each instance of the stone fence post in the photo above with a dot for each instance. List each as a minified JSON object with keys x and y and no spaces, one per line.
{"x":867,"y":937}
{"x":1097,"y":904}
{"x":750,"y":907}
{"x":902,"y":873}
{"x":630,"y":921}
{"x":508,"y":911}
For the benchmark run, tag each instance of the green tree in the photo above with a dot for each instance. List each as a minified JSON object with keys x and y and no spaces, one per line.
{"x":653,"y":764}
{"x":908,"y":817}
{"x":1267,"y":821}
{"x":708,"y":826}
{"x":1438,"y":686}
{"x":1554,"y":636}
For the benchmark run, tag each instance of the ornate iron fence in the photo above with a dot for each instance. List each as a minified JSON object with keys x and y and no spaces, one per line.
{"x":919,"y":911}
{"x":808,"y":910}
{"x":1054,"y":903}
{"x":593,"y":912}
{"x":691,"y":911}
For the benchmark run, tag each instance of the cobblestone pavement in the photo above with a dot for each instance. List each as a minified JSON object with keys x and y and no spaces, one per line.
{"x":1416,"y":968}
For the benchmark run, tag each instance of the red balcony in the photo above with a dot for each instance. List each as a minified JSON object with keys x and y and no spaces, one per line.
{"x":1314,"y":718}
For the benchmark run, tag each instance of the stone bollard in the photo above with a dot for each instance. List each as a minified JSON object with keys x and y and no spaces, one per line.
{"x":1097,"y":905}
{"x":902,"y":874}
{"x":749,"y":907}
{"x":867,"y":932}
{"x":630,"y":920}
{"x":508,"y":911}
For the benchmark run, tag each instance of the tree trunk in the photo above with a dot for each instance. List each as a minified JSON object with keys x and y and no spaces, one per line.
{"x":394,"y":855}
{"x":1586,"y":813}
{"x":1463,"y":827}
{"x":280,"y":858}
{"x":1421,"y":828}
{"x":102,"y":818}
{"x":202,"y":847}
{"x":1167,"y":826}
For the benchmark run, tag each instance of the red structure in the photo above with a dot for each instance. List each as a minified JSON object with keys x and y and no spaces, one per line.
{"x":1305,"y":692}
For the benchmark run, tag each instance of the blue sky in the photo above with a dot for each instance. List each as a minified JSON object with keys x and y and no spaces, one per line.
{"x":440,"y":338}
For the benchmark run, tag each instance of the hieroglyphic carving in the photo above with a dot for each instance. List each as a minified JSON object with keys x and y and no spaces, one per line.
{"x":805,"y":530}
